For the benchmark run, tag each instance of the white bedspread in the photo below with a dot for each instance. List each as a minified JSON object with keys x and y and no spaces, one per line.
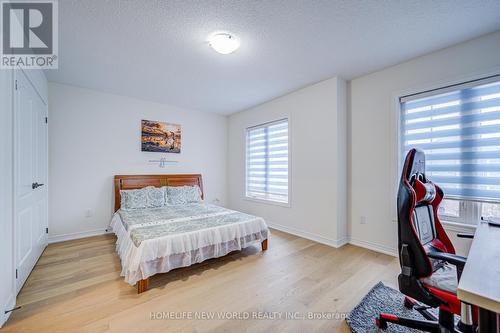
{"x":154,"y":241}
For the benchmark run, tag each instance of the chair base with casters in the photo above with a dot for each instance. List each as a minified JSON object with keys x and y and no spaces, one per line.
{"x":444,"y":323}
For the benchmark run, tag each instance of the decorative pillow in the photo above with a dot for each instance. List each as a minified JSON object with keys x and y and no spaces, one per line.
{"x":133,"y":199}
{"x":155,"y":197}
{"x":181,"y":195}
{"x":193,"y":193}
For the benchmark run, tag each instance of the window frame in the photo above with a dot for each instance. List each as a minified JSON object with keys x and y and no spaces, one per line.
{"x":468,"y":211}
{"x":286,"y":204}
{"x":471,"y":210}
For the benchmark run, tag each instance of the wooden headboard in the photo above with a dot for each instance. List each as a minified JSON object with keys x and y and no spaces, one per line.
{"x":132,"y":182}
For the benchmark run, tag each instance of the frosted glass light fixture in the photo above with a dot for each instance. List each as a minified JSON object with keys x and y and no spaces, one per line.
{"x":224,"y":43}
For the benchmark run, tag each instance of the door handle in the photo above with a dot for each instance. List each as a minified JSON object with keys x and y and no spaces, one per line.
{"x":36,"y":185}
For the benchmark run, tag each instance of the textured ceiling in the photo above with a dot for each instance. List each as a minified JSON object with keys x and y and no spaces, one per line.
{"x":157,"y":50}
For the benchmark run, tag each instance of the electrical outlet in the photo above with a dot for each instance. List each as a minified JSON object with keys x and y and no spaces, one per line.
{"x":362,"y":220}
{"x":89,"y":213}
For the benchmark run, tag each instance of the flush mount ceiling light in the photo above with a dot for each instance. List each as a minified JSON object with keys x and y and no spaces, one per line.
{"x":224,"y":43}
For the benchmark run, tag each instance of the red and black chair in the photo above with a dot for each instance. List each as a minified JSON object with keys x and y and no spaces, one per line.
{"x":430,"y":269}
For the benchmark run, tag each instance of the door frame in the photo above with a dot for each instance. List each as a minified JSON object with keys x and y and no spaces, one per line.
{"x":8,"y":300}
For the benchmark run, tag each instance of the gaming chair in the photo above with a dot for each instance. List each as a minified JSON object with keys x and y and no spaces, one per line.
{"x":430,"y":270}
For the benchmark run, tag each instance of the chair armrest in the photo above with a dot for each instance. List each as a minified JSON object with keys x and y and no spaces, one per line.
{"x":453,"y":259}
{"x":465,"y":236}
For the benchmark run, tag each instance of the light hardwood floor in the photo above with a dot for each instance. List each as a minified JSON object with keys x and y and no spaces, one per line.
{"x":76,"y":287}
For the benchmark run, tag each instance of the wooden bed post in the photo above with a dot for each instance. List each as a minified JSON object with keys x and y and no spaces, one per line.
{"x":264,"y":245}
{"x":142,"y":285}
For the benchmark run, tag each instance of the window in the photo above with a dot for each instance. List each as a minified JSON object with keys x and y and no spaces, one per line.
{"x":267,"y":162}
{"x":458,"y":127}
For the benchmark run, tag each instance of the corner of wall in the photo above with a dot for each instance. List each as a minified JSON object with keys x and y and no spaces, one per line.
{"x":348,"y":159}
{"x":342,"y":159}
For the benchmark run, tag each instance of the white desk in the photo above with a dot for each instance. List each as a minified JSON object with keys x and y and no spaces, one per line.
{"x":480,"y":281}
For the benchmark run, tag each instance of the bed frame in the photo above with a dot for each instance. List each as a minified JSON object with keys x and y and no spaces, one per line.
{"x":132,"y":182}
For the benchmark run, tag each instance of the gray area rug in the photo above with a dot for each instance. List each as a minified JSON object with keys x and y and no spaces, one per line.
{"x":381,"y":299}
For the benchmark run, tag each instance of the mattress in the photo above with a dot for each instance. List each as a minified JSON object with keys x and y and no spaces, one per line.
{"x":157,"y":240}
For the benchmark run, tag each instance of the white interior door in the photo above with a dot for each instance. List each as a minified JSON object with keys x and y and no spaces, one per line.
{"x":30,"y":177}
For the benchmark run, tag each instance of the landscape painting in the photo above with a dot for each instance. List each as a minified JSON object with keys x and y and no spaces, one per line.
{"x":160,"y":137}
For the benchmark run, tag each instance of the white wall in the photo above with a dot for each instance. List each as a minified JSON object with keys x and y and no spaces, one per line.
{"x":372,"y":131}
{"x":317,"y":161}
{"x":7,"y":291}
{"x":94,"y":136}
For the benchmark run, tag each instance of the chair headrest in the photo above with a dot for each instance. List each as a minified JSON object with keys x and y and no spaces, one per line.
{"x":414,"y":173}
{"x":414,"y":166}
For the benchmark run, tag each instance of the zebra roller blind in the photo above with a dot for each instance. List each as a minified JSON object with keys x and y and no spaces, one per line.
{"x":459,"y":130}
{"x":267,"y":161}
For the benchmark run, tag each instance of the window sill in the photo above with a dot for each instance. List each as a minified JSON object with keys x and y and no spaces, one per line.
{"x":458,"y":227}
{"x":268,"y":202}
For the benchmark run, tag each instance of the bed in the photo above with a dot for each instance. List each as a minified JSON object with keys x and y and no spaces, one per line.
{"x":158,"y":239}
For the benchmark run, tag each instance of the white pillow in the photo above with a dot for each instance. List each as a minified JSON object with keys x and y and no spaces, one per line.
{"x":133,"y":199}
{"x":155,"y":196}
{"x":193,"y":193}
{"x":181,"y":195}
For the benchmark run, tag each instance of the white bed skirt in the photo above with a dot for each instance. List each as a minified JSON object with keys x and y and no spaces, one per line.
{"x":160,"y":255}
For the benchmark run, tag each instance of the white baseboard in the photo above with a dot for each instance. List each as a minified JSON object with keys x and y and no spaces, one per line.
{"x":309,"y":235}
{"x":374,"y":247}
{"x":11,"y":303}
{"x":449,"y":227}
{"x":77,"y":235}
{"x":334,"y":243}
